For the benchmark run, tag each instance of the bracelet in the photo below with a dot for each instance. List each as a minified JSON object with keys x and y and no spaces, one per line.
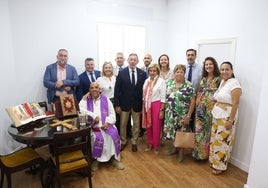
{"x":187,"y":116}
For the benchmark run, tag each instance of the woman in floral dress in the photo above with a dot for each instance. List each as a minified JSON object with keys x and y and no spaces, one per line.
{"x":204,"y":103}
{"x":179,"y":106}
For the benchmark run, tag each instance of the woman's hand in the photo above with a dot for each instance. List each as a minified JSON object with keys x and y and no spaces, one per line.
{"x":228,"y":125}
{"x":161,"y":114}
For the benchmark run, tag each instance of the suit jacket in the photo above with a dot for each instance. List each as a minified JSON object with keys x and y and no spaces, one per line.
{"x":127,"y":96}
{"x":50,"y":79}
{"x":83,"y":87}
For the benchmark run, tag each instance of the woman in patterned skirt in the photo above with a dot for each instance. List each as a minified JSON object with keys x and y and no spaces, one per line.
{"x":204,"y":103}
{"x":224,"y":112}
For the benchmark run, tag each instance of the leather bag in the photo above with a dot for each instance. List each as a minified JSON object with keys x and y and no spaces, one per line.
{"x":184,"y":139}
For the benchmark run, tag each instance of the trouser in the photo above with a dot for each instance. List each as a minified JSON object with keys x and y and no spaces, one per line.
{"x":124,"y":118}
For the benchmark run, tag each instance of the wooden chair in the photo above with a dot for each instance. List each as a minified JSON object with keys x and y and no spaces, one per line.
{"x":43,"y":104}
{"x":74,"y":156}
{"x":17,"y":161}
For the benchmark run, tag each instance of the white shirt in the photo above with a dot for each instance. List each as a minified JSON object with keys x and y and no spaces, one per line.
{"x":107,"y":86}
{"x":135,"y":74}
{"x":159,"y":90}
{"x":108,"y":147}
{"x":117,"y":68}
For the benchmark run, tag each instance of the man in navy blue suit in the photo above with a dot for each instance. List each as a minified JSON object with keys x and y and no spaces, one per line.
{"x":88,"y":76}
{"x":60,"y":78}
{"x":128,"y":99}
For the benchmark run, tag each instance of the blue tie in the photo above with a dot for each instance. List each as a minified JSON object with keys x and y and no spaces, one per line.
{"x":190,"y":74}
{"x":92,"y":77}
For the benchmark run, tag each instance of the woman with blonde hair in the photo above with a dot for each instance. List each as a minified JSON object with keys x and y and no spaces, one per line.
{"x":107,"y":81}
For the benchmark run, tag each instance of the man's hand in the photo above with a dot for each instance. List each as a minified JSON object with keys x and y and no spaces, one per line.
{"x":59,"y":84}
{"x":105,"y":126}
{"x":97,"y":119}
{"x":118,"y":110}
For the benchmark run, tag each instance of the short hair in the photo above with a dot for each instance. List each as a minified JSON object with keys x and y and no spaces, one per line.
{"x":120,"y":53}
{"x":134,"y":54}
{"x":154,"y":65}
{"x":179,"y":67}
{"x":62,"y":49}
{"x":191,"y":49}
{"x":89,"y":59}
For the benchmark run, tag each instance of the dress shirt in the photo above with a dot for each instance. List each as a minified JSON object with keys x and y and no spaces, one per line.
{"x":135,"y":74}
{"x":196,"y":74}
{"x":117,"y":69}
{"x":89,"y":76}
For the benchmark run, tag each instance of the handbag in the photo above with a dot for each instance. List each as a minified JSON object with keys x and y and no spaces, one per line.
{"x":184,"y":139}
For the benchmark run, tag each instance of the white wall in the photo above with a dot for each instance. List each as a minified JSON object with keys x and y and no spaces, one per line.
{"x":257,"y":172}
{"x":9,"y":84}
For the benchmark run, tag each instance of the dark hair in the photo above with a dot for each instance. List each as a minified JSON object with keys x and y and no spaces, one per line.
{"x":160,"y":58}
{"x":89,"y":59}
{"x":231,"y":66}
{"x":191,"y":49}
{"x":216,"y":71}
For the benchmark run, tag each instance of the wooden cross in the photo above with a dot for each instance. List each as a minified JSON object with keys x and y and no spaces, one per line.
{"x":64,"y":123}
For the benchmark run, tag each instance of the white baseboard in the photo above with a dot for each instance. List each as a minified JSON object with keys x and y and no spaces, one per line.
{"x":239,"y":164}
{"x":246,"y":186}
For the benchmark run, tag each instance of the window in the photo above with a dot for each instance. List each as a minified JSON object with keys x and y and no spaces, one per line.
{"x":114,"y":38}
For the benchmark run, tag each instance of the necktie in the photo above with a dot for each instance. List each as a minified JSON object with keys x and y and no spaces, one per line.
{"x":133,"y":78}
{"x":190,"y":73}
{"x":92,"y":77}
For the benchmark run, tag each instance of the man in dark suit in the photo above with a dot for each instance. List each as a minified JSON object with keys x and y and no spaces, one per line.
{"x":88,"y":76}
{"x":128,"y":99}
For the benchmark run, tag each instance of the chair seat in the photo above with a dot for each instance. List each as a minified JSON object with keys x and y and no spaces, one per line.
{"x":71,"y":161}
{"x":19,"y":158}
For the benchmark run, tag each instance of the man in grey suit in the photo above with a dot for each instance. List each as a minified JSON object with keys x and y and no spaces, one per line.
{"x":60,"y":78}
{"x":128,"y":99}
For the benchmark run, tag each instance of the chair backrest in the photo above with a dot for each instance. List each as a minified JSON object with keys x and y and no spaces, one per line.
{"x":77,"y":140}
{"x":43,"y":104}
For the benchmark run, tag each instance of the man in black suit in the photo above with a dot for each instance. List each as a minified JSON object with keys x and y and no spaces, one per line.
{"x":128,"y":99}
{"x":88,"y":76}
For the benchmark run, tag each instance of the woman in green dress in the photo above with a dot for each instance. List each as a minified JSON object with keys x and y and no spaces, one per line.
{"x":180,"y":102}
{"x":204,"y":103}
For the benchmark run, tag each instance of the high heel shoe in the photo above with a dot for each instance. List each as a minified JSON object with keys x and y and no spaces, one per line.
{"x":149,"y":148}
{"x":156,"y":151}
